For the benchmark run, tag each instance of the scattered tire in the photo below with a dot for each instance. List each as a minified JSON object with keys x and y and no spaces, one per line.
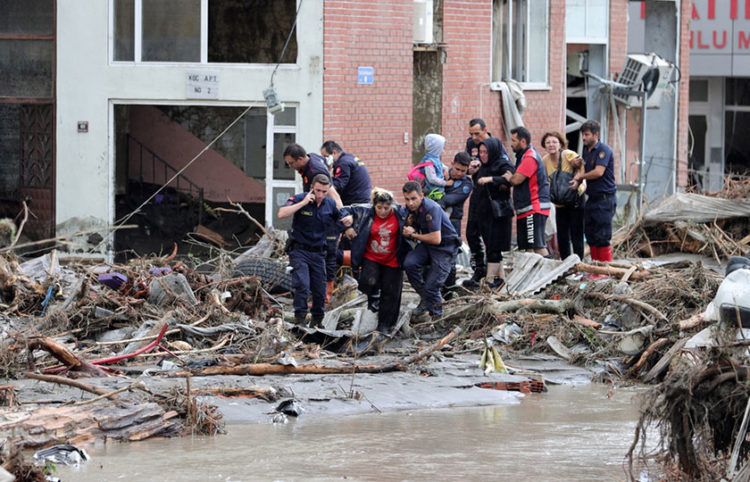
{"x":273,"y":274}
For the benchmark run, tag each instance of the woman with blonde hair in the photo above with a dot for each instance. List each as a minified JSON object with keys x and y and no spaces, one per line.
{"x":377,"y":254}
{"x":562,"y":163}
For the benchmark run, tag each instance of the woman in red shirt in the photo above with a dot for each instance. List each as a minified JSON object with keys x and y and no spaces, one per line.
{"x":377,"y":253}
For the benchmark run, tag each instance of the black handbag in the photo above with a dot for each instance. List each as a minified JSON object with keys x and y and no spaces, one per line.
{"x":559,"y":187}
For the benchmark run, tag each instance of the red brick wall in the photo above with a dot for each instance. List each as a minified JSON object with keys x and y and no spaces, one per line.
{"x":468,"y":70}
{"x":370,"y":120}
{"x":467,"y":34}
{"x":546,"y":108}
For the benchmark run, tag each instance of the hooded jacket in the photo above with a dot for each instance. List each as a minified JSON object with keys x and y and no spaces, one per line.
{"x":434,"y":144}
{"x":499,"y":189}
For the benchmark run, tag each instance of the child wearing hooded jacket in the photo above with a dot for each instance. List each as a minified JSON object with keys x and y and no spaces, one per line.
{"x":430,"y":172}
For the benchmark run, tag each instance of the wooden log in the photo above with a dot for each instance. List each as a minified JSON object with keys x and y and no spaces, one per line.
{"x":611,"y":271}
{"x":45,"y":426}
{"x":347,"y":368}
{"x":65,"y":356}
{"x":551,"y":306}
{"x":642,"y":305}
{"x":268,"y":394}
{"x":695,"y":320}
{"x":664,"y":362}
{"x":66,"y":381}
{"x":647,"y":354}
{"x":586,"y":322}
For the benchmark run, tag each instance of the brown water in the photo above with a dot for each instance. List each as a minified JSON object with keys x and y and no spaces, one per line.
{"x":569,"y":433}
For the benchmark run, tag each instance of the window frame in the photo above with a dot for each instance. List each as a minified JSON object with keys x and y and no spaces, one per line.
{"x":138,"y":41}
{"x":501,"y":72}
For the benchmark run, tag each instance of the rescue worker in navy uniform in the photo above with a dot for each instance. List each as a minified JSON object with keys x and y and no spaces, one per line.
{"x":352,"y":183}
{"x":350,"y":176}
{"x":457,"y":190}
{"x":599,"y":174}
{"x":309,"y":166}
{"x":437,"y":247}
{"x":313,"y":211}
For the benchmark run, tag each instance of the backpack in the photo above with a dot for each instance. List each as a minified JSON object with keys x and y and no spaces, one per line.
{"x":417,"y":172}
{"x":559,"y":187}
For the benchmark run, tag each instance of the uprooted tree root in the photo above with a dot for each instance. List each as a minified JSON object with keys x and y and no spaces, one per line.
{"x":199,"y":418}
{"x":14,"y":462}
{"x":697,"y":412}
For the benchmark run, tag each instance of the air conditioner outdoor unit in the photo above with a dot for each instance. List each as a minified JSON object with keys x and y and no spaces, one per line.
{"x":422,"y":21}
{"x":648,"y":73}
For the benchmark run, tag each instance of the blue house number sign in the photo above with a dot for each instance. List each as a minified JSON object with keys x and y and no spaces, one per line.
{"x":365,"y":75}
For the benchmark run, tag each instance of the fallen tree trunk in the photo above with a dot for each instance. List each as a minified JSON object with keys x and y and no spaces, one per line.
{"x":267,"y":394}
{"x":611,"y":271}
{"x":551,"y":306}
{"x":642,"y":305}
{"x":78,"y":425}
{"x":271,"y":369}
{"x":66,"y":381}
{"x":65,"y":356}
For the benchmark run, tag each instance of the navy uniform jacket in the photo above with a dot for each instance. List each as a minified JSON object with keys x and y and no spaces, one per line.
{"x":429,"y":218}
{"x":309,"y":223}
{"x":600,"y":155}
{"x":455,"y":196}
{"x":316,"y":164}
{"x":351,"y":180}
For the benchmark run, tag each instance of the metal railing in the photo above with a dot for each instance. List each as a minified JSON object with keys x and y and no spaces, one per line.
{"x":145,"y":156}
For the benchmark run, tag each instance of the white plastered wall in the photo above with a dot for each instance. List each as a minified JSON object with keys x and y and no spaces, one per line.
{"x":89,"y":85}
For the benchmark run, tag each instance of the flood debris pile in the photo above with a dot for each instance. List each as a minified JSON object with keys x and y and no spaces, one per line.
{"x":714,"y":225}
{"x":110,"y":332}
{"x":700,"y":413}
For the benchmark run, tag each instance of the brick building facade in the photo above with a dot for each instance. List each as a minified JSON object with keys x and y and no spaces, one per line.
{"x":374,"y":121}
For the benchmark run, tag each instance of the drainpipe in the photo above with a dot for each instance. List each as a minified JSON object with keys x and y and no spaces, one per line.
{"x":678,"y":45}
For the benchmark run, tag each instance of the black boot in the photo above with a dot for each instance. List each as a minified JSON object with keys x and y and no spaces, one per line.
{"x":480,"y":271}
{"x":317,"y":321}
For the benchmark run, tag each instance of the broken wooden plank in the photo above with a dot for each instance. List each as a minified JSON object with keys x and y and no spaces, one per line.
{"x":664,"y":362}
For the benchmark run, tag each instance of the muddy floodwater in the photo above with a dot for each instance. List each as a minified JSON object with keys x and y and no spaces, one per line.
{"x":569,"y":433}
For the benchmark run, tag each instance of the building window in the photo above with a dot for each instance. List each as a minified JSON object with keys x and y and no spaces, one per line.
{"x":587,"y":21}
{"x":203,"y":31}
{"x":521,"y":41}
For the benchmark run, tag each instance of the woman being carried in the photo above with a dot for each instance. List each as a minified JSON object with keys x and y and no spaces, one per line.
{"x":377,"y":254}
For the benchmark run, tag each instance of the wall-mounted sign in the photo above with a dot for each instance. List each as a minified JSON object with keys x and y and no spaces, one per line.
{"x":83,"y":126}
{"x":202,"y":85}
{"x":365,"y":75}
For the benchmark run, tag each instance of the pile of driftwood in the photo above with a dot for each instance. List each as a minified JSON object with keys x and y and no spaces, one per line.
{"x":719,"y":239}
{"x":712,"y":224}
{"x":700,"y":412}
